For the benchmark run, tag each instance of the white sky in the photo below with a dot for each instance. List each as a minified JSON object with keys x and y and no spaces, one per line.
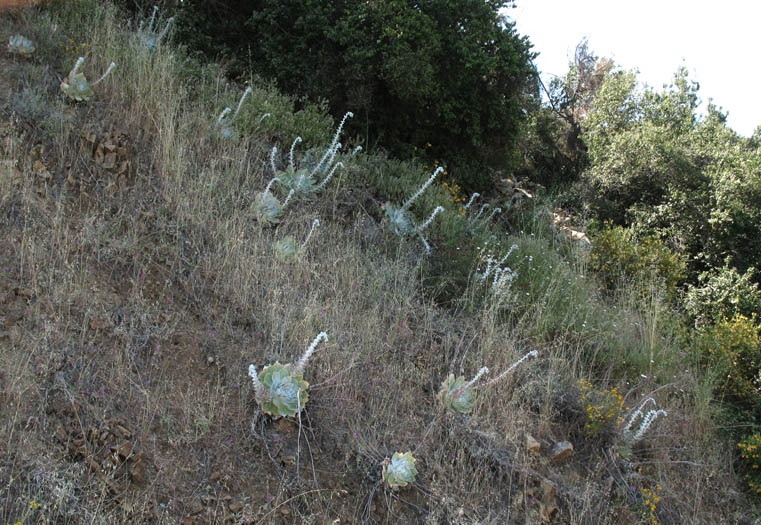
{"x":718,"y":42}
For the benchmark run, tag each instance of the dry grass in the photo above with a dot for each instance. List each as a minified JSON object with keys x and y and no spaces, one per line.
{"x":133,"y":303}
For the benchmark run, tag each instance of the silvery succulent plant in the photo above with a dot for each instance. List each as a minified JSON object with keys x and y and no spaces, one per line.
{"x":280,"y":390}
{"x":399,"y":220}
{"x":148,"y":36}
{"x":20,"y":45}
{"x":300,"y":181}
{"x":76,"y":86}
{"x":456,"y":395}
{"x":303,"y":181}
{"x":399,"y":471}
{"x":223,"y":126}
{"x":267,"y":208}
{"x":284,"y":393}
{"x":288,"y":248}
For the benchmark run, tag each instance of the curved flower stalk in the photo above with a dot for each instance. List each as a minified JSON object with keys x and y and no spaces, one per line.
{"x":398,"y":217}
{"x":647,"y":420}
{"x":20,"y":45}
{"x":149,"y":37}
{"x":280,"y":390}
{"x":470,"y":201}
{"x":399,"y":470}
{"x":330,"y":153}
{"x":480,"y":212}
{"x":303,"y":181}
{"x":493,"y":213}
{"x":223,"y":125}
{"x":499,"y":274}
{"x":288,"y":248}
{"x":532,"y":353}
{"x":425,"y":225}
{"x":76,"y":86}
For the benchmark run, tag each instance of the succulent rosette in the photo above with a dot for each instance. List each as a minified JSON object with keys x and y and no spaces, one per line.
{"x":398,"y":219}
{"x":286,"y":392}
{"x":77,"y":87}
{"x":400,"y":470}
{"x":300,"y":181}
{"x":456,"y":396}
{"x":267,"y":208}
{"x":20,"y":45}
{"x":286,"y":248}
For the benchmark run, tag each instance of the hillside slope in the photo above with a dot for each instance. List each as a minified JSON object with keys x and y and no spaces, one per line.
{"x":137,"y":286}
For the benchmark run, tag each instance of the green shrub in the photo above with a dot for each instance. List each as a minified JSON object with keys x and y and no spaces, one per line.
{"x":732,"y":349}
{"x":750,"y":451}
{"x":616,"y":254}
{"x":453,"y":73}
{"x":723,"y":293}
{"x":604,"y":408}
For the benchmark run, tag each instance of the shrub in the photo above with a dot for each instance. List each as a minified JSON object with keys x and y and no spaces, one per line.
{"x":723,"y":293}
{"x":602,"y":407}
{"x":750,"y":451}
{"x":455,"y":73}
{"x":732,"y":349}
{"x":616,"y":254}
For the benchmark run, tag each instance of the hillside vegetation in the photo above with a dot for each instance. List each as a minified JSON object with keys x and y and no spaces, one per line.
{"x":154,"y":277}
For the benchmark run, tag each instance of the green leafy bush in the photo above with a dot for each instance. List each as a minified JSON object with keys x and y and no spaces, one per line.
{"x":732,"y":349}
{"x":723,"y":293}
{"x":617,"y":254}
{"x":750,"y":452}
{"x":453,"y":73}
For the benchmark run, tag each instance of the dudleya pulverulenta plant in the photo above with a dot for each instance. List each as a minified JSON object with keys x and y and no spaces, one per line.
{"x":223,"y":126}
{"x":647,"y":420}
{"x":148,"y":36}
{"x":266,"y":207}
{"x":280,"y":390}
{"x":398,"y":216}
{"x":302,"y":180}
{"x":20,"y":45}
{"x":76,"y":86}
{"x":458,"y":397}
{"x":288,"y":248}
{"x":399,"y":471}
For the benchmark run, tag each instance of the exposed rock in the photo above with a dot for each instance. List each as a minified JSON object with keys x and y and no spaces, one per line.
{"x":532,"y":445}
{"x":562,"y":451}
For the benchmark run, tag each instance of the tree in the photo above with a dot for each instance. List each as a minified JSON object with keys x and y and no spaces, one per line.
{"x":657,"y":166}
{"x":452,"y":73}
{"x":555,"y":150}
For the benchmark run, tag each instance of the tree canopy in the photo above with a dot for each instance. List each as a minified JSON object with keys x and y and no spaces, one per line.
{"x":450,"y":73}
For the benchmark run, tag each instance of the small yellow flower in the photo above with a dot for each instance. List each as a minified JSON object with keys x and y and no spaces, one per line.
{"x":34,"y":504}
